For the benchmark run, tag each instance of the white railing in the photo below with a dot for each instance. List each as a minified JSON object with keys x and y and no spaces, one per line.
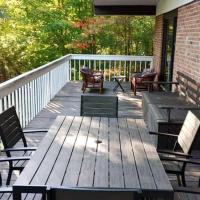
{"x":111,"y":64}
{"x":31,"y":91}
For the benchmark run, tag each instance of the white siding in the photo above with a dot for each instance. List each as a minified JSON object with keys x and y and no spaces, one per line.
{"x":165,"y":6}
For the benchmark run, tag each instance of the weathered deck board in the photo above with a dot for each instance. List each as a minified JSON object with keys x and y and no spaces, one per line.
{"x":67,"y":102}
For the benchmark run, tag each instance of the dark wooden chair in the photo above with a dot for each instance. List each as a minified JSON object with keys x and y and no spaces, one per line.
{"x":175,"y":161}
{"x":92,"y":79}
{"x":93,"y":194}
{"x":99,"y":106}
{"x":138,"y":81}
{"x":11,"y":133}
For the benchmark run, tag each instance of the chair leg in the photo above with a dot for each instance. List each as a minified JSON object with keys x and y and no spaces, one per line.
{"x":0,"y":180}
{"x":100,"y":90}
{"x":134,"y":90}
{"x":179,"y":180}
{"x":183,"y":180}
{"x":9,"y":176}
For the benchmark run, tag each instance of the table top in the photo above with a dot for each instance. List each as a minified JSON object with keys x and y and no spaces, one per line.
{"x":96,"y":152}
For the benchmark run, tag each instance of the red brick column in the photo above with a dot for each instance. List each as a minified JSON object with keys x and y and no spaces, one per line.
{"x":187,"y":50}
{"x":157,"y":43}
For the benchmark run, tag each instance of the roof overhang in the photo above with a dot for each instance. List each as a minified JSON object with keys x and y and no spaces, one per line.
{"x":124,"y":7}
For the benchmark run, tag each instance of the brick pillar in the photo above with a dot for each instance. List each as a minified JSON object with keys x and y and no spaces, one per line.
{"x":157,"y":43}
{"x":187,"y":50}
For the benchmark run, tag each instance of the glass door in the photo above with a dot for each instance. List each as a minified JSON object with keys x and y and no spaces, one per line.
{"x":169,"y":39}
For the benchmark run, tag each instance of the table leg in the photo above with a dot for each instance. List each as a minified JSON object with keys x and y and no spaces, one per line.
{"x":16,"y":194}
{"x":118,"y":85}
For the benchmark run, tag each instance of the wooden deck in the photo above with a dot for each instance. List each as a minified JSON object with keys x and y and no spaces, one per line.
{"x":67,"y":102}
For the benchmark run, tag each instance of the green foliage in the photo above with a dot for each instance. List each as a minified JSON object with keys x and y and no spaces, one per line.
{"x":34,"y":32}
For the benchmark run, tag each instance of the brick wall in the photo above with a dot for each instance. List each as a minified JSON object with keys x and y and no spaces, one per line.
{"x":157,"y":43}
{"x":187,"y":50}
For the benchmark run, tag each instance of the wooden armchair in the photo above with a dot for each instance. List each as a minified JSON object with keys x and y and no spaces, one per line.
{"x":138,"y":81}
{"x":92,"y":79}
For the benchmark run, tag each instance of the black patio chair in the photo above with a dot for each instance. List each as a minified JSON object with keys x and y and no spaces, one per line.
{"x":99,"y":106}
{"x":93,"y":193}
{"x":175,"y":161}
{"x":11,"y":133}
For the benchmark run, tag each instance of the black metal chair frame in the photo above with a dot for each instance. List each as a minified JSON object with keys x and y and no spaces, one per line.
{"x":9,"y":190}
{"x":180,"y":157}
{"x":11,"y":133}
{"x":60,"y":193}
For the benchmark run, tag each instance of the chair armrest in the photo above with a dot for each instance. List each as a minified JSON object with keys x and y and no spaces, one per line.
{"x":162,"y":82}
{"x":6,"y":190}
{"x":7,"y":159}
{"x":20,"y":149}
{"x":175,"y":153}
{"x":35,"y":131}
{"x":192,"y":190}
{"x":163,"y":134}
{"x":183,"y":160}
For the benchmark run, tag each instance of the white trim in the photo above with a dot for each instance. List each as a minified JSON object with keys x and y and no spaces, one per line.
{"x":165,"y":6}
{"x":124,"y":2}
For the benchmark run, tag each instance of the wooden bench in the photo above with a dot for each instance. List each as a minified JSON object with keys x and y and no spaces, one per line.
{"x":165,"y":111}
{"x":99,"y":106}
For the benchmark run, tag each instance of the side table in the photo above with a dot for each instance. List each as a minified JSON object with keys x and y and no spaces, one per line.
{"x":118,"y":80}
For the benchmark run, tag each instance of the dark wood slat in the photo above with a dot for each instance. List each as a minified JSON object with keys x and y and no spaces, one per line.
{"x":115,"y":162}
{"x":129,"y":165}
{"x":143,"y":168}
{"x":73,"y":169}
{"x":87,"y":176}
{"x":101,"y":168}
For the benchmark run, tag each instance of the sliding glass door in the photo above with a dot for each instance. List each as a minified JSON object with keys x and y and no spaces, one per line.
{"x":169,"y":39}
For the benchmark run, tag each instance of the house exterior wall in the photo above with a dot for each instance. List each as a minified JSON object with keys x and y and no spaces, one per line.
{"x":157,"y":43}
{"x":187,"y":49}
{"x":164,"y":6}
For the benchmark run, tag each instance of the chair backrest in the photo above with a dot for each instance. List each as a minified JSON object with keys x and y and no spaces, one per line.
{"x":92,"y":194}
{"x":10,"y":128}
{"x":149,"y":76}
{"x":99,"y":106}
{"x":189,"y":131}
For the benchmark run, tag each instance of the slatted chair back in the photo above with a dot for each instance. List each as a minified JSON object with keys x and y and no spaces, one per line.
{"x":92,"y":194}
{"x":189,"y":131}
{"x":85,"y":72}
{"x":10,"y":128}
{"x":99,"y":106}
